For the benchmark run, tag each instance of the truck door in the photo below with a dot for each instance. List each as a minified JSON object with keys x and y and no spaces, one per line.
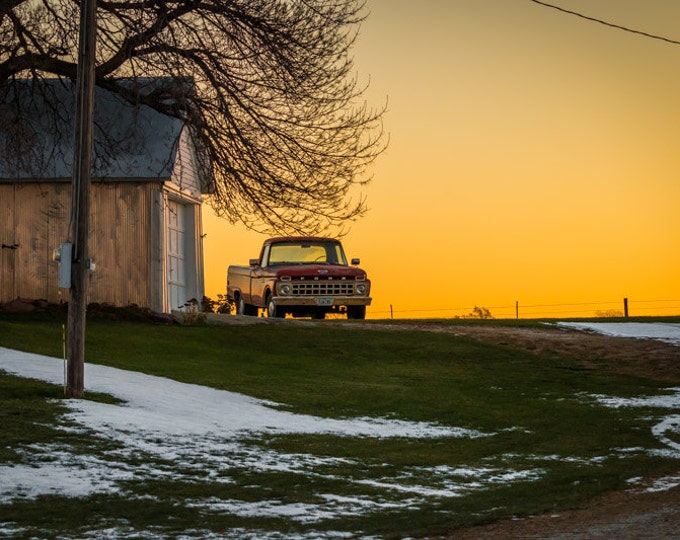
{"x":258,"y":278}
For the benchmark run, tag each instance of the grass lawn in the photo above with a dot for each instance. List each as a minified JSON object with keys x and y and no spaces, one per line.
{"x":548,"y":444}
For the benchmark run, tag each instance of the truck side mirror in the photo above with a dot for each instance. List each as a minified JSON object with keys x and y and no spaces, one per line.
{"x":254,"y":262}
{"x":356,"y":262}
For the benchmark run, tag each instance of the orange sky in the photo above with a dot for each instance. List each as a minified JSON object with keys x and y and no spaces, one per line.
{"x":534,"y":157}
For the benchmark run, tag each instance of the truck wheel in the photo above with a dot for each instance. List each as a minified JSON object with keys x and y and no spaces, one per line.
{"x":356,"y":312}
{"x":245,"y":309}
{"x":272,"y":310}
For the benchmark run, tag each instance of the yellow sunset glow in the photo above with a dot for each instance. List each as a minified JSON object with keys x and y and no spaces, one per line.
{"x":534,"y":158}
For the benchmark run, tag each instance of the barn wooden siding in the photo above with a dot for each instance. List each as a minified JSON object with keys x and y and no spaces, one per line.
{"x":35,"y":216}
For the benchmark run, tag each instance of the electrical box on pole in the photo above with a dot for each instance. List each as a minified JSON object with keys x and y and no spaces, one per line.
{"x":63,"y":255}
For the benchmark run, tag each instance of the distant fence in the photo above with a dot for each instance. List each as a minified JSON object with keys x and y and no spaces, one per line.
{"x":619,"y":308}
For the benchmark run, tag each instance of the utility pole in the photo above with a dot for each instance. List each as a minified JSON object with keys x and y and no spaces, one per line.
{"x":80,"y":199}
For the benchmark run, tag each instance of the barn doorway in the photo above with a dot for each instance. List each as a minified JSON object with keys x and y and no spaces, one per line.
{"x":177,"y":253}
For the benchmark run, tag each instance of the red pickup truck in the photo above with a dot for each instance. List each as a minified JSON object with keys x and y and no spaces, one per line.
{"x":302,"y":276}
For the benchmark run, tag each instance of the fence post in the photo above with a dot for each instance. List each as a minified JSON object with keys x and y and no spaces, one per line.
{"x":625,"y":307}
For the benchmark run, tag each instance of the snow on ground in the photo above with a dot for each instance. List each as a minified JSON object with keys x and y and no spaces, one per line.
{"x":668,"y":332}
{"x":186,"y":432}
{"x":165,"y":429}
{"x":668,"y":428}
{"x":157,"y":404}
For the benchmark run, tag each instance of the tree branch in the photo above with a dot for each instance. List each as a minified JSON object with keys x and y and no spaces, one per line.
{"x":274,"y":103}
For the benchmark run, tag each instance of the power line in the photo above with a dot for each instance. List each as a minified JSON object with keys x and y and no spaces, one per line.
{"x":606,"y":23}
{"x":649,"y":301}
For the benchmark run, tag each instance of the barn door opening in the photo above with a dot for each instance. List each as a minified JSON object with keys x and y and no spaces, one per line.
{"x":177,"y":274}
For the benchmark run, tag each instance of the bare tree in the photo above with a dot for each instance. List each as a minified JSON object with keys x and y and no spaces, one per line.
{"x":267,"y":86}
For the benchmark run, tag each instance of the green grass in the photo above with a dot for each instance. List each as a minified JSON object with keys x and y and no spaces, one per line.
{"x":533,"y":405}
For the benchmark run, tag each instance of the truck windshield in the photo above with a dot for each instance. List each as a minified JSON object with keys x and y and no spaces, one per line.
{"x":306,"y":252}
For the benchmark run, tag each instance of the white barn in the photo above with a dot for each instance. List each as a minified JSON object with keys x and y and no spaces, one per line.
{"x":148,"y":184}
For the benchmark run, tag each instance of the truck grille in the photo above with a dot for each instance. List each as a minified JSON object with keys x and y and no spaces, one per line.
{"x":322,"y":288}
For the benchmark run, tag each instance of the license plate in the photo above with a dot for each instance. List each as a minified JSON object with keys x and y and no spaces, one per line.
{"x":324,"y":301}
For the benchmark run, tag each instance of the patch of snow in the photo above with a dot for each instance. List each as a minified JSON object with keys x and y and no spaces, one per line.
{"x":170,"y":408}
{"x":240,"y":533}
{"x":510,"y":456}
{"x":667,"y":332}
{"x":300,"y":512}
{"x":668,"y":427}
{"x":54,"y":478}
{"x":665,"y":401}
{"x":8,"y":530}
{"x":664,"y":484}
{"x":452,"y":486}
{"x":656,"y":485}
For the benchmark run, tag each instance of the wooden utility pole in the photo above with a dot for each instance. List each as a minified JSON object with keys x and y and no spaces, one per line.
{"x":80,"y":199}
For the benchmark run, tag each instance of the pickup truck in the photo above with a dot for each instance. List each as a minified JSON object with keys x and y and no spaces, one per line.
{"x":300,"y":276}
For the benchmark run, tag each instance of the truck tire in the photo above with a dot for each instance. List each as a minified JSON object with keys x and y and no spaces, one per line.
{"x":356,"y":312}
{"x":245,"y":309}
{"x":272,"y":310}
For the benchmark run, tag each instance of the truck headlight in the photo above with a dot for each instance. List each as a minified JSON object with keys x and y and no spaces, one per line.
{"x":360,"y":288}
{"x":285,"y":289}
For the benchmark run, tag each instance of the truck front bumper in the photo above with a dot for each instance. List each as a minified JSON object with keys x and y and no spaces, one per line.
{"x":322,"y":301}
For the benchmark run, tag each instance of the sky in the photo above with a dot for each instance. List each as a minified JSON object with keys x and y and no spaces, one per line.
{"x":150,"y":435}
{"x":533,"y":165}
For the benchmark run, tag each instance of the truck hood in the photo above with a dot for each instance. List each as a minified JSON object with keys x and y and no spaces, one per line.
{"x":321,"y":271}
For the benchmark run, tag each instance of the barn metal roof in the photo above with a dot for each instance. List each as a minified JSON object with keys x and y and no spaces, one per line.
{"x":37,"y":129}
